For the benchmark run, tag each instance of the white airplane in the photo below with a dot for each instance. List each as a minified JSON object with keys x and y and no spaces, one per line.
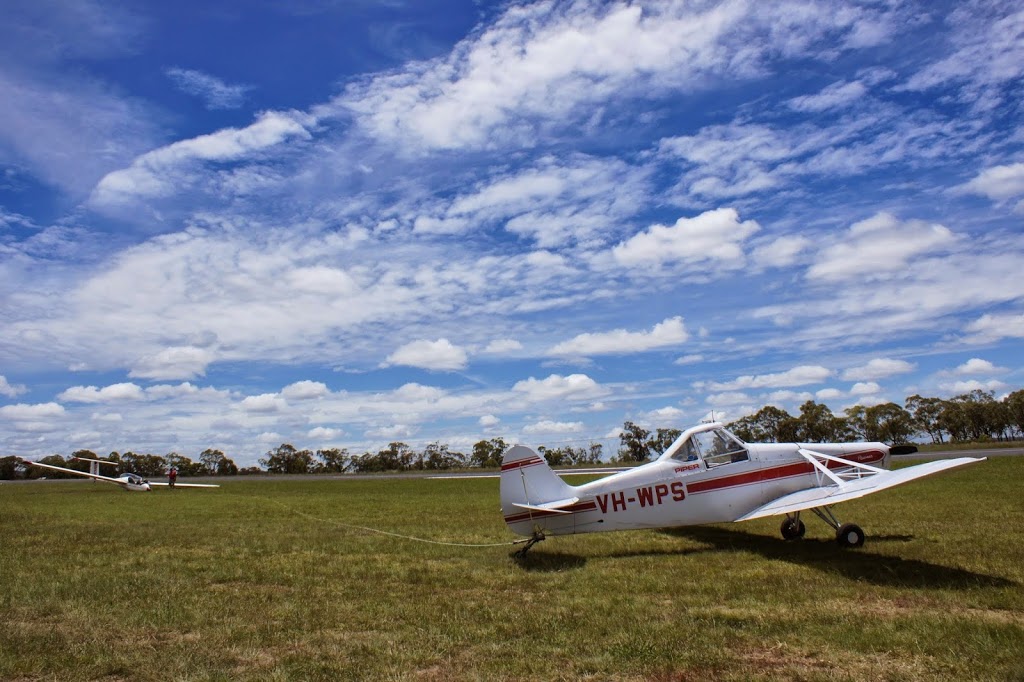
{"x":127,"y":481}
{"x":707,"y":475}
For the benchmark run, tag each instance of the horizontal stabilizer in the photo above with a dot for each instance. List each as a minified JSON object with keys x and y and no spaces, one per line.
{"x":555,"y":506}
{"x":834,"y":494}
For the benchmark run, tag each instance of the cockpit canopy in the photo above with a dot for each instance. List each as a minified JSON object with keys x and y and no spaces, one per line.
{"x":711,"y":443}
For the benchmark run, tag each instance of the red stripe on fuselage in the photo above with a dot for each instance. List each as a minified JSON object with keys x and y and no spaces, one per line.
{"x":786,"y":471}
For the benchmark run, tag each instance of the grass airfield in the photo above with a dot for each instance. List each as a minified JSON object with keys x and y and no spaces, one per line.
{"x":271,"y":580}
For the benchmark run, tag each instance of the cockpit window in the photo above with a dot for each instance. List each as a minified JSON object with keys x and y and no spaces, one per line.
{"x":716,"y":447}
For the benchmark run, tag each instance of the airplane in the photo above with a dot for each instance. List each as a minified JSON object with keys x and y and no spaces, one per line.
{"x":707,"y":475}
{"x":127,"y":481}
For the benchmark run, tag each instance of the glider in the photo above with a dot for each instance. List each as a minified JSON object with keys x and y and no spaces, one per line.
{"x":127,"y":481}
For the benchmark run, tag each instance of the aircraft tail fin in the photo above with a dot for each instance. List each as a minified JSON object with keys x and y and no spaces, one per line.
{"x":530,"y":489}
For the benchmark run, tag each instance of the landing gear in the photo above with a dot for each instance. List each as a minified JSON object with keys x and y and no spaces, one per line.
{"x":793,"y":528}
{"x":847,"y":534}
{"x":850,"y":535}
{"x":537,"y":536}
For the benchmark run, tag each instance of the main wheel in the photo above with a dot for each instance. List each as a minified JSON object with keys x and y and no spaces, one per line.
{"x":850,"y":535}
{"x":793,"y":529}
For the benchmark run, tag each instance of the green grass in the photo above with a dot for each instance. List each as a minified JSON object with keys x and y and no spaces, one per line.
{"x":263,"y":580}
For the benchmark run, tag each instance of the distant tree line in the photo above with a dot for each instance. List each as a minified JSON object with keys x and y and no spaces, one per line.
{"x":971,"y":417}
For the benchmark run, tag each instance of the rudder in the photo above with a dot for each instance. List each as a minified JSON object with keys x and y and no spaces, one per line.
{"x":530,"y":488}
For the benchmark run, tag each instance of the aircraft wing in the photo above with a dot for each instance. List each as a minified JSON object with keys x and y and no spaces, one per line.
{"x":870,"y":482}
{"x":86,"y":474}
{"x":188,"y":485}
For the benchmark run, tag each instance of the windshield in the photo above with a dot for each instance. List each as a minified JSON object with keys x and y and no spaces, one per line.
{"x":715,"y":447}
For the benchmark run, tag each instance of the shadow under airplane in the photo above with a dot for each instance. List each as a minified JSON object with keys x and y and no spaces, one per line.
{"x":822,"y":555}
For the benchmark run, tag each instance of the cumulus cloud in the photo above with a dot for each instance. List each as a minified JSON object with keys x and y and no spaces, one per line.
{"x":670,"y":332}
{"x":862,"y":388}
{"x":977,"y":366}
{"x":971,"y":385}
{"x":488,"y":420}
{"x":880,"y":244}
{"x":323,"y":433}
{"x":878,"y":368}
{"x":180,"y":362}
{"x":714,"y":236}
{"x":557,"y":387}
{"x":305,"y":390}
{"x":998,"y":183}
{"x":265,"y":403}
{"x":112,"y":393}
{"x":437,"y":355}
{"x":24,"y":412}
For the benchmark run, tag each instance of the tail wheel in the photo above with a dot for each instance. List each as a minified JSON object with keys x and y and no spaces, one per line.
{"x":850,"y":535}
{"x":793,"y":529}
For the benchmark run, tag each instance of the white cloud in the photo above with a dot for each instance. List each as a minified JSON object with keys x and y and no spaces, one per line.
{"x":164,"y":171}
{"x":712,"y":236}
{"x":970,"y":385}
{"x":180,"y":362}
{"x":213,"y":91}
{"x":862,"y":388}
{"x":781,"y":252}
{"x":266,"y":403}
{"x":305,"y":390}
{"x":323,"y":433}
{"x":834,"y":96}
{"x":977,"y":366}
{"x":502,"y":346}
{"x":878,"y":368}
{"x":828,"y":394}
{"x":557,"y":387}
{"x":668,"y":414}
{"x":731,"y":398}
{"x":552,"y":427}
{"x":691,"y":359}
{"x":24,"y":412}
{"x":990,"y":327}
{"x":998,"y":183}
{"x":551,"y":63}
{"x":488,"y":420}
{"x":11,"y":390}
{"x":669,"y":332}
{"x":798,"y":376}
{"x":392,"y":431}
{"x":880,"y":244}
{"x":437,"y":355}
{"x":92,"y":394}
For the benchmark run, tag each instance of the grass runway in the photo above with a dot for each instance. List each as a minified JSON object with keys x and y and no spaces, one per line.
{"x":268,"y":580}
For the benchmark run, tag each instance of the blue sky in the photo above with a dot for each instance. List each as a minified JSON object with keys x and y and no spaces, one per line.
{"x":341,"y":224}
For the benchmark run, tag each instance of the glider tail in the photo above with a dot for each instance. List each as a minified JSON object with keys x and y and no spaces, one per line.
{"x":531,"y":491}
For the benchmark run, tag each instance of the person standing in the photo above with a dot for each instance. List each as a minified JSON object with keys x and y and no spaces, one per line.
{"x":172,"y":476}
